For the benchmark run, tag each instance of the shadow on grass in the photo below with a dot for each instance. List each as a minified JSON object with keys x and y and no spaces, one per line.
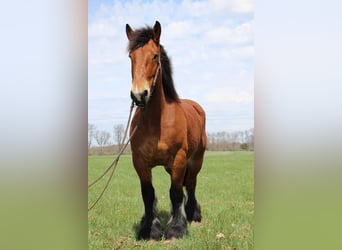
{"x":164,"y":217}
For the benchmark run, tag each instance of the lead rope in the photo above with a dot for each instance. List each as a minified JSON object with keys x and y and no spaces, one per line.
{"x":115,"y":162}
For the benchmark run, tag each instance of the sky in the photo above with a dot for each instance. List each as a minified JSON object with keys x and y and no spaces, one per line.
{"x":211,"y":47}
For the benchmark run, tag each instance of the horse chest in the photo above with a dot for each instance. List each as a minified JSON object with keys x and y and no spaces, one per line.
{"x":154,"y":150}
{"x":158,"y":141}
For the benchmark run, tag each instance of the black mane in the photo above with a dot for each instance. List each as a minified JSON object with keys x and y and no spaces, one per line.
{"x":140,"y":38}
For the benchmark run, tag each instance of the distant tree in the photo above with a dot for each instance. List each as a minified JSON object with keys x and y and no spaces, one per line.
{"x":236,"y":140}
{"x":119,"y":131}
{"x":244,"y":146}
{"x":91,"y":132}
{"x":102,"y":138}
{"x":251,"y":139}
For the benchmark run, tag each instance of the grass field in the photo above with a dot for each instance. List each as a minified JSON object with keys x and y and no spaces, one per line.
{"x":225,"y":190}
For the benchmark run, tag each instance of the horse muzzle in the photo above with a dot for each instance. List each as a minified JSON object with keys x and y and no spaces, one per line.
{"x":140,"y":99}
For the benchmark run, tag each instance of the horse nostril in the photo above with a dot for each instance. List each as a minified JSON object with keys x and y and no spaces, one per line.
{"x":140,"y":98}
{"x":144,"y":94}
{"x":133,"y":96}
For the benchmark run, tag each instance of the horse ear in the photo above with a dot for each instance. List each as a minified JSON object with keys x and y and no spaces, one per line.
{"x":129,"y":32}
{"x":157,"y":31}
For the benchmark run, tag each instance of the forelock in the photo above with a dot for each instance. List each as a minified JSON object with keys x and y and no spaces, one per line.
{"x":140,"y":38}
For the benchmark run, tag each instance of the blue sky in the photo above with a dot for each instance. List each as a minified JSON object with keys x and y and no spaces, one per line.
{"x":209,"y":42}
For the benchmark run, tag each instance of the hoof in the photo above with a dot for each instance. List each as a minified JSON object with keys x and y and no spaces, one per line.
{"x":176,"y":232}
{"x":144,"y":234}
{"x":151,"y":233}
{"x":176,"y":229}
{"x":156,"y":233}
{"x":193,"y":213}
{"x":197,"y":214}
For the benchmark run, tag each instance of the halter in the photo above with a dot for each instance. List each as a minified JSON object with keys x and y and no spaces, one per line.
{"x":155,"y":77}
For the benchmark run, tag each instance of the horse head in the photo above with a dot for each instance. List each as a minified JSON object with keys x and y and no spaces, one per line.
{"x":144,"y":52}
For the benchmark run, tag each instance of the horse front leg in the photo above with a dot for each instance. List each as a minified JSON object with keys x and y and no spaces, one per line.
{"x":150,"y":227}
{"x":150,"y":224}
{"x":177,"y":225}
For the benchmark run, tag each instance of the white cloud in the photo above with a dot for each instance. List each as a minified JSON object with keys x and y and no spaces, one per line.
{"x":240,"y":34}
{"x":227,"y":95}
{"x":242,"y":6}
{"x":246,"y":52}
{"x":212,"y":8}
{"x":102,"y":28}
{"x":180,"y":29}
{"x":106,"y":50}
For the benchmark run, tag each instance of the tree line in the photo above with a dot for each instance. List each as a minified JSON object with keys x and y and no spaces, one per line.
{"x":231,"y":141}
{"x":104,"y":142}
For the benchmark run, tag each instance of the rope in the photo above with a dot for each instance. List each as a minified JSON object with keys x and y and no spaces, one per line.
{"x":116,"y":160}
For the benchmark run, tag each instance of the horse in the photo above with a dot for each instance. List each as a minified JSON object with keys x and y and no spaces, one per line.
{"x":170,"y":132}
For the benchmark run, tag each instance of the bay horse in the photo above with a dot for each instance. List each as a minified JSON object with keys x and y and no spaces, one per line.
{"x":170,"y":132}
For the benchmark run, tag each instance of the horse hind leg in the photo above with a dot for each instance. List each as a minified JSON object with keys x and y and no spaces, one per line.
{"x":192,"y":207}
{"x":177,"y":225}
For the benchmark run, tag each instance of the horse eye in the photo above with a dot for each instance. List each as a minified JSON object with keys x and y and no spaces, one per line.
{"x":155,"y":57}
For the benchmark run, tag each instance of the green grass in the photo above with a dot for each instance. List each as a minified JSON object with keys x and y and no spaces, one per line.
{"x":224,"y":190}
